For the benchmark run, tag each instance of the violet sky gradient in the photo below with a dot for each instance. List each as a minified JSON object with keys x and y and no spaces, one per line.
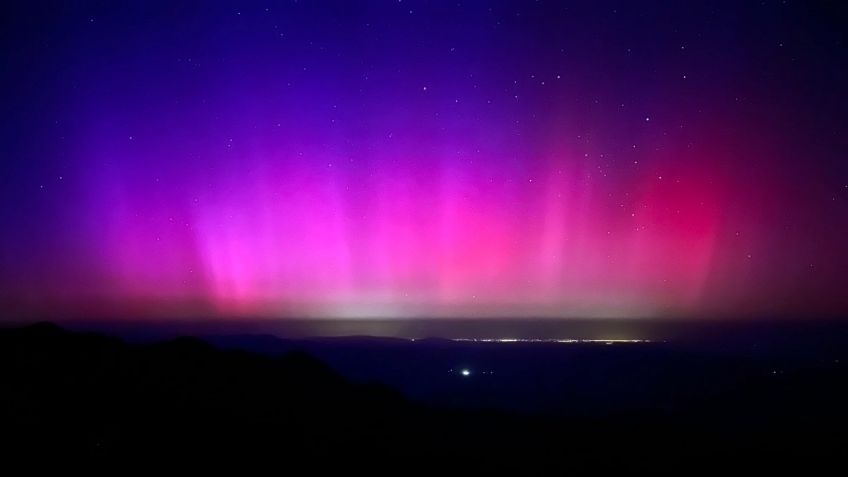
{"x":424,"y":159}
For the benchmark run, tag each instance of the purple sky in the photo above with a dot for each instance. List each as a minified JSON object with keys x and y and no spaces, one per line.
{"x":424,"y":159}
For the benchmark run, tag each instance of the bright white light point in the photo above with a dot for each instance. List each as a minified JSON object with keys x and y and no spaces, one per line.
{"x":465,"y":372}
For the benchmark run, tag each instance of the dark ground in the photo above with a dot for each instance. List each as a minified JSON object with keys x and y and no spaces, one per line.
{"x":89,"y":396}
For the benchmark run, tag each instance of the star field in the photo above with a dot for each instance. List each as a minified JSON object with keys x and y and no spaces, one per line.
{"x":424,"y":159}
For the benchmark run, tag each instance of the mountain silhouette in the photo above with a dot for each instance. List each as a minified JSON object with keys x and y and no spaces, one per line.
{"x":92,"y":396}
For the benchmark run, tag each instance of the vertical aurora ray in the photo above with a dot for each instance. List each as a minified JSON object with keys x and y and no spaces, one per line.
{"x":476,"y":160}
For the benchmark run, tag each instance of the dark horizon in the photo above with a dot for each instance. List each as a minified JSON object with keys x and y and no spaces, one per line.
{"x":251,"y":399}
{"x":502,"y":329}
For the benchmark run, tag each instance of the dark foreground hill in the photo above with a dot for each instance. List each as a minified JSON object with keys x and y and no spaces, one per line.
{"x":90,"y":396}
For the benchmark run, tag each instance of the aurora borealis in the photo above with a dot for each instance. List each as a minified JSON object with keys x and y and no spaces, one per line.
{"x":424,"y":159}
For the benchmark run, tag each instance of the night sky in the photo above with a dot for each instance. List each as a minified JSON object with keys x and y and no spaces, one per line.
{"x":407,"y":158}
